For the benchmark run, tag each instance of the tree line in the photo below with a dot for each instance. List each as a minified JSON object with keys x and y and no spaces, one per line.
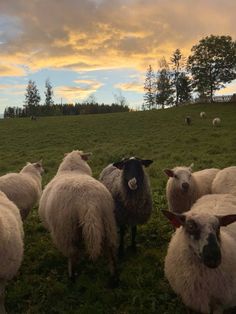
{"x":211,"y":65}
{"x":32,"y":107}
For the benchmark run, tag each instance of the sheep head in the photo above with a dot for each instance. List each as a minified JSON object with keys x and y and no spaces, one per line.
{"x":202,"y":233}
{"x":133,"y":173}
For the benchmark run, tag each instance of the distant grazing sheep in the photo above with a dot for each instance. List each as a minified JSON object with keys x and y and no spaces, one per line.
{"x":201,"y":259}
{"x":23,"y":188}
{"x":130,"y":188}
{"x":225,"y":181}
{"x":11,"y":243}
{"x":216,"y":122}
{"x":188,"y":120}
{"x":184,"y":187}
{"x":78,"y":209}
{"x":202,"y":114}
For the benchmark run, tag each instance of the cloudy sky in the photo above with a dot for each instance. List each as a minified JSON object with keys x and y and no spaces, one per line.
{"x":99,"y":47}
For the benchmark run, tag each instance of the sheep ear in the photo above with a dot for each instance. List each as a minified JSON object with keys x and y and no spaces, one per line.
{"x":146,"y":162}
{"x":119,"y":164}
{"x":66,"y":154}
{"x":226,"y":220}
{"x":40,"y":162}
{"x":85,"y":156}
{"x":191,"y":166}
{"x":177,"y":220}
{"x":169,"y":172}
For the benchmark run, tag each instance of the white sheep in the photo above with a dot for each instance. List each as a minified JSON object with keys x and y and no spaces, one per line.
{"x":200,"y":264}
{"x":78,"y":209}
{"x":225,"y":181}
{"x":130,"y":188}
{"x":202,"y":114}
{"x":23,"y":188}
{"x":11,"y":243}
{"x":216,"y":122}
{"x":184,"y":187}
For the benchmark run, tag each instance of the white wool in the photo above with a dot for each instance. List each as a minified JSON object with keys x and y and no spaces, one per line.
{"x":11,"y":243}
{"x":201,"y":288}
{"x":23,"y":188}
{"x":76,"y":208}
{"x":216,"y":121}
{"x":199,"y":185}
{"x":225,"y":181}
{"x":202,"y":114}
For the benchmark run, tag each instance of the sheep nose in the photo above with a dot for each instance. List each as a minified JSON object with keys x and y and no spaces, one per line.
{"x":185,"y":186}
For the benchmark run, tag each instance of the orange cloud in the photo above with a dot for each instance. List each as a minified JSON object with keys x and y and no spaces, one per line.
{"x":132,"y":86}
{"x":11,"y":70}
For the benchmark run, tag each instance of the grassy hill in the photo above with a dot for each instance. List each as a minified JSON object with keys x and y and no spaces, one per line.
{"x":42,"y":285}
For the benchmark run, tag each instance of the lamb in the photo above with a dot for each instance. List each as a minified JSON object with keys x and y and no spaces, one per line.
{"x":201,"y":257}
{"x":184,"y":187}
{"x":130,"y":188}
{"x":24,"y":188}
{"x":11,"y":243}
{"x":77,"y":209}
{"x":202,"y":114}
{"x":216,"y":122}
{"x":225,"y":181}
{"x":188,"y":120}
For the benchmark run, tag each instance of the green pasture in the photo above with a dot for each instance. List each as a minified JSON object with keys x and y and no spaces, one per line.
{"x":42,"y":285}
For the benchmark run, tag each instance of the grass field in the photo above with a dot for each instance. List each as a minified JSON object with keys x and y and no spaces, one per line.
{"x":42,"y":285}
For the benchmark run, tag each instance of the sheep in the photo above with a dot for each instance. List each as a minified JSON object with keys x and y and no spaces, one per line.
{"x":225,"y":181}
{"x":77,"y":209}
{"x":202,"y":114}
{"x":130,"y":188}
{"x":23,"y":188}
{"x":11,"y":243}
{"x":184,"y":187}
{"x":188,"y":120}
{"x":200,"y":264}
{"x":216,"y":122}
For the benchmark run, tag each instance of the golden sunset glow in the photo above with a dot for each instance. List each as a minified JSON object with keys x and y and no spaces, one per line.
{"x":89,"y":38}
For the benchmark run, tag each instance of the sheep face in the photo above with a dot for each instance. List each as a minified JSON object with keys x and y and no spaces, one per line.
{"x":39,"y":167}
{"x":133,"y":173}
{"x":181,"y":176}
{"x":202,"y":232}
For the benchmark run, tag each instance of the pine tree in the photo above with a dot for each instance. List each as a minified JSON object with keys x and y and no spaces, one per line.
{"x":185,"y":88}
{"x":149,"y":88}
{"x":164,"y":86}
{"x":48,"y":93}
{"x":32,"y":98}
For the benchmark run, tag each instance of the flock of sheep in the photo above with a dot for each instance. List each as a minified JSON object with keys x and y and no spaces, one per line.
{"x":83,"y":214}
{"x":215,"y":121}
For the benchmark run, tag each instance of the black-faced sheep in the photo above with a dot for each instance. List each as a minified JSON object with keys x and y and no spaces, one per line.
{"x":77,"y":210}
{"x":201,"y":259}
{"x":11,"y":244}
{"x":202,"y":114}
{"x":184,"y":187}
{"x":130,"y":188}
{"x":23,"y":188}
{"x":188,"y":120}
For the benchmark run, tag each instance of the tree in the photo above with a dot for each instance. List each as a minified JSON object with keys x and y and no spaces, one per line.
{"x":48,"y":93}
{"x":177,"y":61}
{"x":149,"y":88}
{"x":120,"y":99}
{"x":184,"y":88}
{"x":164,"y":86}
{"x":212,"y":64}
{"x":32,"y":98}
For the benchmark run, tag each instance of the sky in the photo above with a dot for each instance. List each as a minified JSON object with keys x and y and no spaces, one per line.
{"x":99,"y":47}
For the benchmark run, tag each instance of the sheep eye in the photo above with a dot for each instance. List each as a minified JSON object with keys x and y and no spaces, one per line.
{"x":193,"y":229}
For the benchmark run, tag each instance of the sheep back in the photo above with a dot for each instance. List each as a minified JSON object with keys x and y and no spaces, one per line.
{"x":204,"y":179}
{"x":225,"y":181}
{"x":75,"y":207}
{"x":11,"y":238}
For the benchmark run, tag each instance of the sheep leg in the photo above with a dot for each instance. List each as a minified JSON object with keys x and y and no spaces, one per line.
{"x":2,"y":297}
{"x":114,"y":279}
{"x":72,"y":262}
{"x":121,"y":246}
{"x":133,"y":236}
